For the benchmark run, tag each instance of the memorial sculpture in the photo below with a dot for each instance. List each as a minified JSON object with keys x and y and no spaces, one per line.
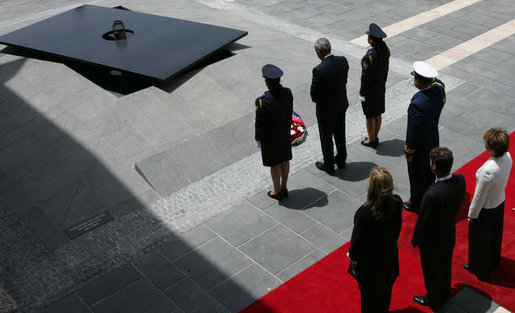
{"x":79,"y":34}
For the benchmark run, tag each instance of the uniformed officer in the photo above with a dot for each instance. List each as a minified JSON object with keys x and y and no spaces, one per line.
{"x":273,"y":121}
{"x":374,"y":72}
{"x":422,"y":130}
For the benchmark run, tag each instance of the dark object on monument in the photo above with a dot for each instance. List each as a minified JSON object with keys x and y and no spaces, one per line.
{"x":156,"y":47}
{"x":119,"y":30}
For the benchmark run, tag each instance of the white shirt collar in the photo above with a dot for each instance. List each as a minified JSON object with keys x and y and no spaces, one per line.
{"x":443,"y":178}
{"x":330,"y":54}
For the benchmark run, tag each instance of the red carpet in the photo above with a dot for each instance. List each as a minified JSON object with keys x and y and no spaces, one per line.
{"x":327,"y":287}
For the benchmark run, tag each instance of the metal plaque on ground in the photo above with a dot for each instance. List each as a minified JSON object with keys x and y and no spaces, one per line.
{"x":88,"y":224}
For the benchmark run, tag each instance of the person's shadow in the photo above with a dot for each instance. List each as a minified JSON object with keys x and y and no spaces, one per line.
{"x":355,"y":171}
{"x":393,"y":148}
{"x":504,"y":275}
{"x":303,"y":199}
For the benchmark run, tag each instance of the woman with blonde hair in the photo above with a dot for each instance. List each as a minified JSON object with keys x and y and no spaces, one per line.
{"x":486,"y":211}
{"x":373,"y":251}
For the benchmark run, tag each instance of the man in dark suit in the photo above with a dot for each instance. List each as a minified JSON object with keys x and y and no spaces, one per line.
{"x":435,"y":230}
{"x":422,"y":131}
{"x":329,"y":92}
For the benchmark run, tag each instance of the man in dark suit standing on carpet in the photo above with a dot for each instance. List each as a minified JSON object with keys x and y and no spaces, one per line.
{"x":435,"y":231}
{"x":422,"y":130}
{"x":329,"y":92}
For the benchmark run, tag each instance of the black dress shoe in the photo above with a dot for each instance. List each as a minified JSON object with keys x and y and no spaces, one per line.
{"x":371,"y":144}
{"x":341,"y":165}
{"x":284,"y":193}
{"x":321,"y":166}
{"x":422,"y":300}
{"x":277,"y":196}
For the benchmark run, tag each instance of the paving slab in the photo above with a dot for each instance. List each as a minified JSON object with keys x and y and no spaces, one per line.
{"x":277,"y":249}
{"x":337,"y":213}
{"x":324,"y":238}
{"x":294,"y":269}
{"x":292,"y":218}
{"x":109,"y":284}
{"x":158,"y":269}
{"x":141,"y":296}
{"x":240,"y":223}
{"x":71,"y":303}
{"x":186,"y":242}
{"x":190,"y":297}
{"x":302,"y":197}
{"x":245,"y":287}
{"x":212,"y":263}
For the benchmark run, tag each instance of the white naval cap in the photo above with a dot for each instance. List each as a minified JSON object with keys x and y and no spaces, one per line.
{"x":424,"y":69}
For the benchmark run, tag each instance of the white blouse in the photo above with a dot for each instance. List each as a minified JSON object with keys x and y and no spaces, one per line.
{"x":491,"y":180}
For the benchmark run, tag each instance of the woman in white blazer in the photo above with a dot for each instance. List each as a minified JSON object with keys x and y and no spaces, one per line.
{"x":486,"y":211}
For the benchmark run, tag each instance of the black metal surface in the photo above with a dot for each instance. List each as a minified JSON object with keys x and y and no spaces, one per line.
{"x":160,"y":47}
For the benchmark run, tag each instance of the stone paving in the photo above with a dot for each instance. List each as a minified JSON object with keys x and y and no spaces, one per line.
{"x":216,"y":242}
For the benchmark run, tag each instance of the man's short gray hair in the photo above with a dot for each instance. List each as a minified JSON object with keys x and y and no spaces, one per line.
{"x":323,"y":45}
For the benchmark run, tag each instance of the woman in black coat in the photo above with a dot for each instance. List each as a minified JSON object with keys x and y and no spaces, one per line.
{"x":273,"y":122}
{"x":373,"y":251}
{"x":374,"y":72}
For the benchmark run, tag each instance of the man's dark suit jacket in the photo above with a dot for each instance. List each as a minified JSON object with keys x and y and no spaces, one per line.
{"x":435,"y":235}
{"x":328,"y":87}
{"x":436,"y":221}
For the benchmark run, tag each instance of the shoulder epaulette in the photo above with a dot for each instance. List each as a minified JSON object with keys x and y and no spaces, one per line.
{"x":437,"y":83}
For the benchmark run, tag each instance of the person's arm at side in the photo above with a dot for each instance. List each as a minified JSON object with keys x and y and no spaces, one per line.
{"x":357,"y":240}
{"x":315,"y":86}
{"x":259,"y":123}
{"x":482,"y":189}
{"x":366,"y":68}
{"x":413,"y":131}
{"x":398,"y":218}
{"x":425,"y":221}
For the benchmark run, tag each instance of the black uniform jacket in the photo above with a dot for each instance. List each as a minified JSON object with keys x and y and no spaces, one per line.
{"x":328,"y":86}
{"x":272,"y":127}
{"x":436,"y":220}
{"x":423,"y":116}
{"x":373,"y":78}
{"x":374,"y":245}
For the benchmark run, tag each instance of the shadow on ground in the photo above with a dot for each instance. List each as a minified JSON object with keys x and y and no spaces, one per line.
{"x":49,"y":182}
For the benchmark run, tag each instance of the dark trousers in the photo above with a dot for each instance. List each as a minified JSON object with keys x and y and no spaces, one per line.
{"x":420,"y":178}
{"x":329,"y":127}
{"x":485,"y":241}
{"x":436,"y":266}
{"x":376,"y":298}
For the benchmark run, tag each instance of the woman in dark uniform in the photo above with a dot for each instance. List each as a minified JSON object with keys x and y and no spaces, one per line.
{"x":373,"y":251}
{"x":273,"y":121}
{"x":374,"y":72}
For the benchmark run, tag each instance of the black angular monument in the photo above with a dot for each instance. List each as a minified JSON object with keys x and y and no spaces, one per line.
{"x":154,"y":46}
